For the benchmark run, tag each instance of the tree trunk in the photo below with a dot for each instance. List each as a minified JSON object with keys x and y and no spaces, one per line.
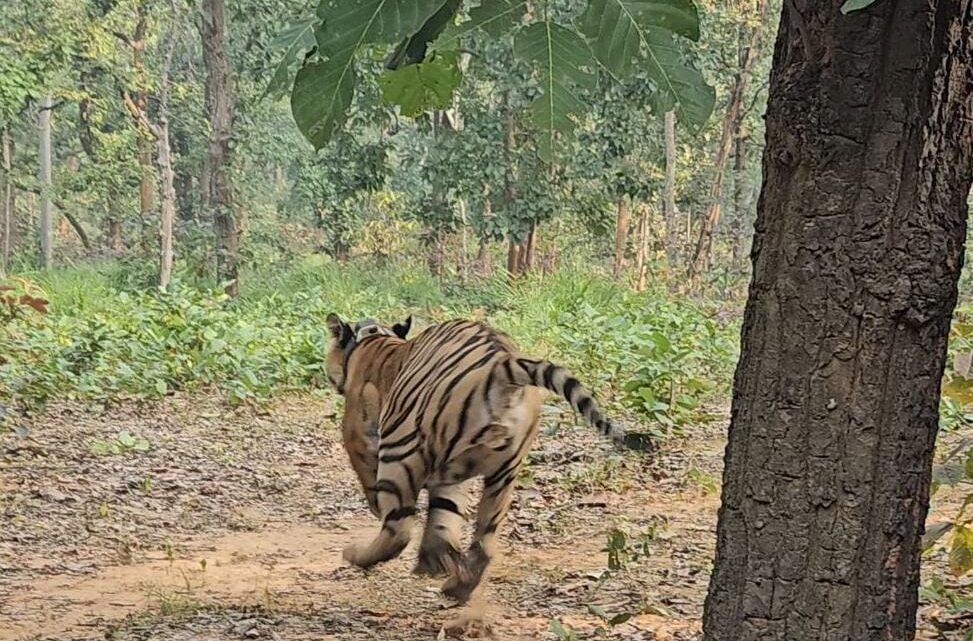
{"x":621,"y":237}
{"x":529,"y":252}
{"x":146,"y":173}
{"x":741,"y":198}
{"x":6,"y":200}
{"x":44,"y":178}
{"x":669,"y":212}
{"x":641,"y":254}
{"x":858,"y":248}
{"x":513,"y":257}
{"x":218,"y":190}
{"x":164,"y":158}
{"x":509,"y":140}
{"x":731,"y":125}
{"x":483,"y":266}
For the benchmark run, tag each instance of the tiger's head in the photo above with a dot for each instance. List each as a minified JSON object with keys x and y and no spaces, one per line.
{"x":345,"y":338}
{"x":362,"y":363}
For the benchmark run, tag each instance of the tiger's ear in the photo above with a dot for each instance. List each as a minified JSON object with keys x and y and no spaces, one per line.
{"x":402,"y":329}
{"x":339,"y":329}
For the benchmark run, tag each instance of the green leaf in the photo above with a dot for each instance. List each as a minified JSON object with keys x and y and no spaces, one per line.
{"x":565,"y":65}
{"x":425,"y":85}
{"x":961,"y":551}
{"x":598,"y":611}
{"x":617,"y":27}
{"x":619,"y":619}
{"x":495,"y":17}
{"x":855,"y":5}
{"x":295,"y":40}
{"x":126,"y":438}
{"x":161,"y":388}
{"x":321,"y":98}
{"x":323,"y":88}
{"x":413,"y":49}
{"x":621,"y":30}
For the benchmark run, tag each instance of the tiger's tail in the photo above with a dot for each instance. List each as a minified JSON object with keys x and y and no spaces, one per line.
{"x":543,"y":373}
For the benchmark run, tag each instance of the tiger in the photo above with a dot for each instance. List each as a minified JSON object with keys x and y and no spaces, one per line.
{"x":456,"y":402}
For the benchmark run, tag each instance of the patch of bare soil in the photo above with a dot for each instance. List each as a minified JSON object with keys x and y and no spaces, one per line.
{"x":231,"y":525}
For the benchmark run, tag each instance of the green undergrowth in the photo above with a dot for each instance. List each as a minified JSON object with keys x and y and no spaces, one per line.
{"x":106,"y":336}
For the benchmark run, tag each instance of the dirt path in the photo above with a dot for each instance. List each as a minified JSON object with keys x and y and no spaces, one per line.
{"x":231,"y":525}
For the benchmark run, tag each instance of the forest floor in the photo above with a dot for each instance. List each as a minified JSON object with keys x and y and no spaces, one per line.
{"x":231,"y":525}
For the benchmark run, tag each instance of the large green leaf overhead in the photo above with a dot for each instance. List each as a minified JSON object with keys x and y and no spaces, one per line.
{"x":422,"y":86}
{"x":566,"y":69}
{"x":293,"y":41}
{"x":323,"y":88}
{"x":626,"y":34}
{"x":495,"y":17}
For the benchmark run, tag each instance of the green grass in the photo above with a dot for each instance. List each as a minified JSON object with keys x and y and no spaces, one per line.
{"x":108,"y":335}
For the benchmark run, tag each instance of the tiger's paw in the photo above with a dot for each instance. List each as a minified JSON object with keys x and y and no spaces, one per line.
{"x":460,"y":586}
{"x":437,"y":558}
{"x":356,"y":554}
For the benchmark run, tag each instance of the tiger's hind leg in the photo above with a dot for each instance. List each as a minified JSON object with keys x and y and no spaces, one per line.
{"x":439,"y":553}
{"x":397,"y":486}
{"x":497,"y":495}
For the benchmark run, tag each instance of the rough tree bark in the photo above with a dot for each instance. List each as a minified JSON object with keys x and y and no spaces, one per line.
{"x":858,"y":248}
{"x":44,"y":180}
{"x":731,"y":124}
{"x":218,"y":190}
{"x":669,"y":213}
{"x":621,"y":237}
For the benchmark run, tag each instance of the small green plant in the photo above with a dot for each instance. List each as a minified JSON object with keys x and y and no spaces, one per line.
{"x":608,"y":622}
{"x":622,"y":550}
{"x":703,"y":479}
{"x":563,"y":631}
{"x":122,"y":444}
{"x":935,"y":591}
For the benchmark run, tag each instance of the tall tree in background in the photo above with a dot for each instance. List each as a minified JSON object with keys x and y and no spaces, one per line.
{"x":158,"y":132}
{"x":44,"y":180}
{"x":669,"y":212}
{"x":218,"y":194}
{"x":731,"y":125}
{"x":6,"y":199}
{"x":858,"y":248}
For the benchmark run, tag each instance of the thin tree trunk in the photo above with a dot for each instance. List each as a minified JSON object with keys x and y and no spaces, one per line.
{"x":141,"y":98}
{"x":164,"y":156}
{"x":483,"y":265}
{"x":731,"y":125}
{"x":464,"y":254}
{"x":621,"y":237}
{"x":513,"y":257}
{"x":509,"y":140}
{"x":44,"y":178}
{"x":641,"y":254}
{"x":669,"y":213}
{"x":858,"y":249}
{"x":529,"y":252}
{"x":6,"y":200}
{"x":114,"y":236}
{"x":219,"y":191}
{"x":741,"y":201}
